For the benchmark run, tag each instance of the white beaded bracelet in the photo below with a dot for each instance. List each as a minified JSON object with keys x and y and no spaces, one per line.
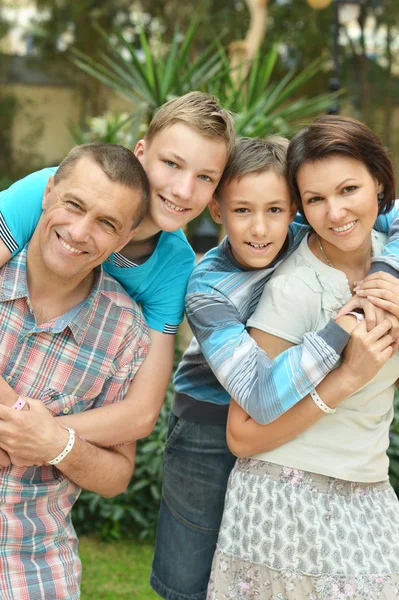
{"x":66,"y":450}
{"x":319,"y":402}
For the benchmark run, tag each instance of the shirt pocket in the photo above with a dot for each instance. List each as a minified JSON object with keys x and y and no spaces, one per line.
{"x":60,"y":404}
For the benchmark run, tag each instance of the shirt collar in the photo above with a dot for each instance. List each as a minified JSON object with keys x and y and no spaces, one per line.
{"x":14,"y":285}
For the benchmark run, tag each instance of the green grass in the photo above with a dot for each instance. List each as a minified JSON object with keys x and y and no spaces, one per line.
{"x":116,"y":570}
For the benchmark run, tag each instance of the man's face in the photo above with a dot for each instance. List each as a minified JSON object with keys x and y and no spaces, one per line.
{"x":183,"y":168}
{"x":86,"y":218}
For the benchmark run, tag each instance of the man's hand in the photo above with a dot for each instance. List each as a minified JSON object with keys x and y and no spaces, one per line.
{"x":33,"y":435}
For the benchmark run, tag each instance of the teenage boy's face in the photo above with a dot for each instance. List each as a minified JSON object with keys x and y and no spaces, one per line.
{"x":183,"y":168}
{"x":256,"y":211}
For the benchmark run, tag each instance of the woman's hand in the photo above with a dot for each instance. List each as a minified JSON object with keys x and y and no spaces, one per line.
{"x":382,"y":290}
{"x":367,"y":352}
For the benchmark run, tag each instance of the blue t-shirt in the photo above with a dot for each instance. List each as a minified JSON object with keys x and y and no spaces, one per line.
{"x":159,"y":284}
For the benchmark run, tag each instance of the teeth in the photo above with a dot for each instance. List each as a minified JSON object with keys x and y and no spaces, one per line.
{"x":173,"y":206}
{"x":68,"y":247}
{"x":345,"y":227}
{"x":257,"y":245}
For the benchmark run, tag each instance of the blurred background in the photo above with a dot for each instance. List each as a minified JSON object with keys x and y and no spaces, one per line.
{"x":88,"y":70}
{"x":97,"y":69}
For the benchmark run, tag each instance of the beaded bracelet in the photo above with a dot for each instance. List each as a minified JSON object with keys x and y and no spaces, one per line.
{"x":66,"y":450}
{"x":319,"y":402}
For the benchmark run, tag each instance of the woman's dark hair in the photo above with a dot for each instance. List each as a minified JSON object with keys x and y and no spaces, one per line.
{"x":332,"y":134}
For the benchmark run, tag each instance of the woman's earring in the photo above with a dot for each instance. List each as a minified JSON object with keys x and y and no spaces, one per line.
{"x":381,"y":196}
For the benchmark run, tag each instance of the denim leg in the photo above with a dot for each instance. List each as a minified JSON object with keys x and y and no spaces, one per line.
{"x":197,"y":465}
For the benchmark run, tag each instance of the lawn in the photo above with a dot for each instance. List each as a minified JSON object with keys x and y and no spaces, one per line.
{"x":115,"y":571}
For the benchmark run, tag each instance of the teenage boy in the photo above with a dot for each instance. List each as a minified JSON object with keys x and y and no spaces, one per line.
{"x":223,"y":361}
{"x":184,"y":153}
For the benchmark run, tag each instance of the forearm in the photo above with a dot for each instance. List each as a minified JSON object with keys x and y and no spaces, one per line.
{"x":135,"y":417}
{"x":246,"y":437}
{"x":104,"y":471}
{"x":259,"y":384}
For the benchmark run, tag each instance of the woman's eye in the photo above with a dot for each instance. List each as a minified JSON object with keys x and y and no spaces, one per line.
{"x":314,"y":199}
{"x":349,"y":188}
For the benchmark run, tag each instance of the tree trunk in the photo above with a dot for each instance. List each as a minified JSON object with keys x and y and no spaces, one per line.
{"x":242,"y":52}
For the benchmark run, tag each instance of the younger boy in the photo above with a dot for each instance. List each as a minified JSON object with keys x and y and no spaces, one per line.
{"x":253,"y":202}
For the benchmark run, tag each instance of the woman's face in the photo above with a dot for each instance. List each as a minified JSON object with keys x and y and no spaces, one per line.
{"x":339,"y":198}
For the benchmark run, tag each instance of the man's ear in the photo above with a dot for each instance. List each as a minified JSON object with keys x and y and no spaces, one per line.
{"x":126,"y":238}
{"x":214,"y":209}
{"x":47,"y":191}
{"x":139,"y":150}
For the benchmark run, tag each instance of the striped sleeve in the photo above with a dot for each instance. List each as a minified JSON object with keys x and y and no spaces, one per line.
{"x":264,"y":388}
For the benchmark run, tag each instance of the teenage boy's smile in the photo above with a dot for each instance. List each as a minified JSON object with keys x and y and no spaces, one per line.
{"x":183,"y":167}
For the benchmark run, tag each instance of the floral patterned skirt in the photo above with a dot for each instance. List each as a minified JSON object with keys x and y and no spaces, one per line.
{"x":288,"y":534}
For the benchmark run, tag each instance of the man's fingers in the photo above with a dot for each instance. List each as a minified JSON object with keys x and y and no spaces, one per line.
{"x":8,"y":414}
{"x":4,"y":459}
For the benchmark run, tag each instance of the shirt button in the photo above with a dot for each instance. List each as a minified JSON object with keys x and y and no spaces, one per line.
{"x":8,"y":378}
{"x":66,"y":410}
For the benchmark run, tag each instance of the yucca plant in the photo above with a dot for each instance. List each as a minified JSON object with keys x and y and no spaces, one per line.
{"x":149,"y":77}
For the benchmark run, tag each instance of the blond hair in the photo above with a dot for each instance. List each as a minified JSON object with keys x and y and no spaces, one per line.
{"x":200,"y":111}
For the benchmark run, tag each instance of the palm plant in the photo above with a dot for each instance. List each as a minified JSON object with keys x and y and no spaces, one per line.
{"x":148,"y":77}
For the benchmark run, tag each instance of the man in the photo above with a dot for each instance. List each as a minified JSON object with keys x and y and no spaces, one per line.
{"x":72,"y":338}
{"x":184,"y":152}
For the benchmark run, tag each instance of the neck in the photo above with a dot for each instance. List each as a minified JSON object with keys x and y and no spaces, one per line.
{"x":50,"y":295}
{"x":147,"y":230}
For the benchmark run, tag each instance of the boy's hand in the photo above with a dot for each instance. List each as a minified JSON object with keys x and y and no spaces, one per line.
{"x":367,"y":352}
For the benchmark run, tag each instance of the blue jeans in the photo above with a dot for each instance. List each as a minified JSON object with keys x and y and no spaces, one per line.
{"x":197,"y":465}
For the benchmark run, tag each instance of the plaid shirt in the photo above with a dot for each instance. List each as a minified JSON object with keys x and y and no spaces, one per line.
{"x":82,"y":360}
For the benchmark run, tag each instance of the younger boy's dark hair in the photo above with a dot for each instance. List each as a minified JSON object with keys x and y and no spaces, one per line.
{"x":253,"y":156}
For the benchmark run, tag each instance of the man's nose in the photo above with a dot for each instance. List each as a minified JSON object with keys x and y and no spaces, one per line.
{"x":79,"y":230}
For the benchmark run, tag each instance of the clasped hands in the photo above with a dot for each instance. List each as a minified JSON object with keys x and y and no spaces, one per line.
{"x":29,"y":437}
{"x":378,"y":296}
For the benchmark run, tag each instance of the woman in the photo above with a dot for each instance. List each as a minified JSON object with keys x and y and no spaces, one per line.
{"x":316,"y":518}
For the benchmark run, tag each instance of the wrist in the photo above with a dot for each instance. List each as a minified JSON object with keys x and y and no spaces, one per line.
{"x":58,"y":444}
{"x":347,"y":322}
{"x":349,"y":381}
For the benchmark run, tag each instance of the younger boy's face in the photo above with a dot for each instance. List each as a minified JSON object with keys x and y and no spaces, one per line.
{"x":183,"y":168}
{"x":256,"y":211}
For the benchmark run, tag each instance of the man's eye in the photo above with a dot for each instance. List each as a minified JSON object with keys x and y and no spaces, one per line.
{"x":108,"y":224}
{"x":72,"y":204}
{"x":275,"y":209}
